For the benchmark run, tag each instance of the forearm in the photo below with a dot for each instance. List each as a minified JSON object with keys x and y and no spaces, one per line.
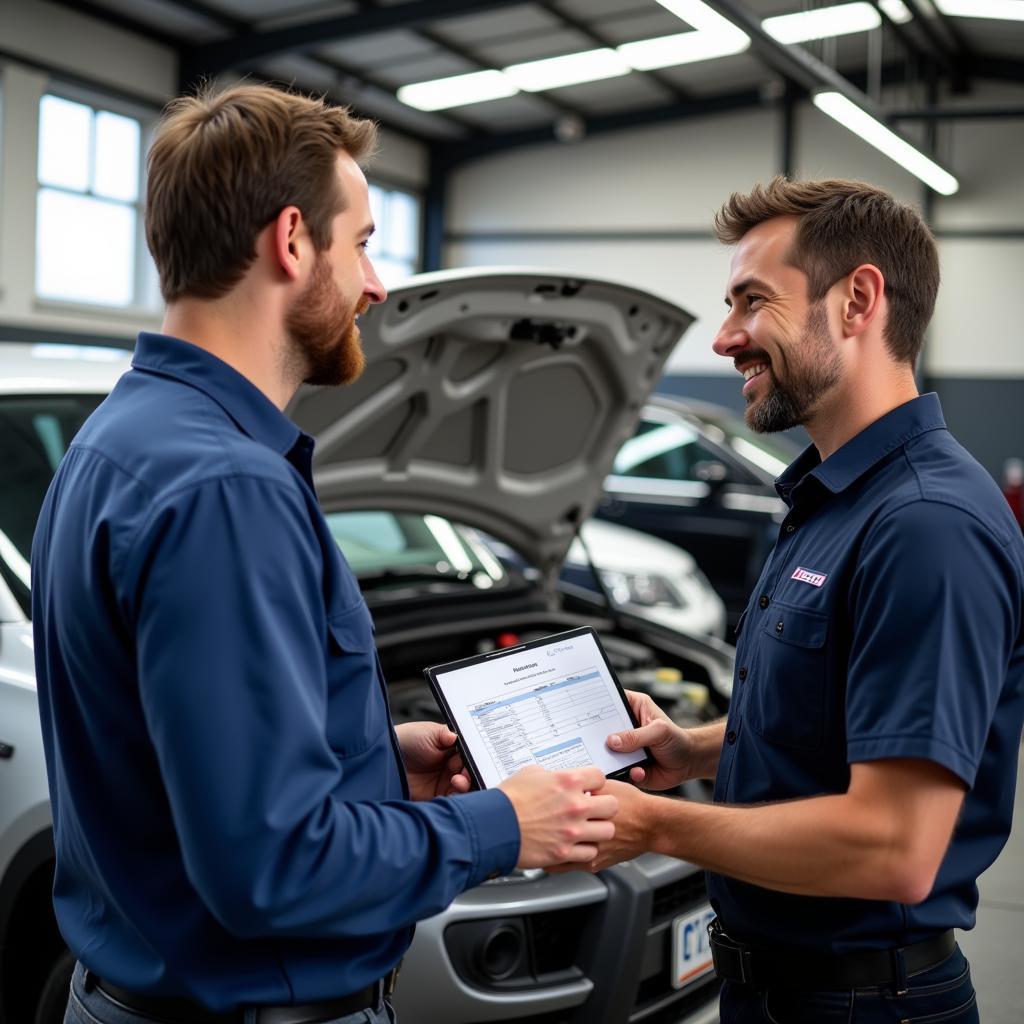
{"x":705,"y":749}
{"x":821,"y":846}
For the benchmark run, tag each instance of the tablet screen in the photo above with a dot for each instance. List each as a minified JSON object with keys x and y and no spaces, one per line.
{"x":551,"y":702}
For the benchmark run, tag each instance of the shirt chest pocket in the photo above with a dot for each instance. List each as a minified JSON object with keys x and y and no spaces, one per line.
{"x":789,"y":692}
{"x":357,"y":717}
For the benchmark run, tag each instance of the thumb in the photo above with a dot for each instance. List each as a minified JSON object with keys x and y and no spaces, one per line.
{"x":633,"y":739}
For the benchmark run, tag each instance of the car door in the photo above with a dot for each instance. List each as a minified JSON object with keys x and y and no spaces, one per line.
{"x":673,"y":481}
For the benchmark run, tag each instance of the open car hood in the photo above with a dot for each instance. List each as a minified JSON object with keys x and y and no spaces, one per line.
{"x":495,"y":397}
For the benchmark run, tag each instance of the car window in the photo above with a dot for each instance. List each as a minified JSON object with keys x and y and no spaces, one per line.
{"x":35,"y":432}
{"x":665,"y":451}
{"x":381,"y":544}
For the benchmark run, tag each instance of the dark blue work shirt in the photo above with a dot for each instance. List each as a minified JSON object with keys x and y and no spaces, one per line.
{"x":230,"y":808}
{"x":886,"y":624}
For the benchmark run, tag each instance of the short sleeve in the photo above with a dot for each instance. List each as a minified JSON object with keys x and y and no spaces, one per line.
{"x":934,"y":616}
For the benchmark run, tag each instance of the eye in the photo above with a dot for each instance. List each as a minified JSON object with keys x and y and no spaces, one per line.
{"x":751,"y":299}
{"x":364,"y":245}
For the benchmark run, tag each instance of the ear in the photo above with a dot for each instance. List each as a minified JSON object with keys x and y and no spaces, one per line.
{"x":288,"y":236}
{"x":862,"y":295}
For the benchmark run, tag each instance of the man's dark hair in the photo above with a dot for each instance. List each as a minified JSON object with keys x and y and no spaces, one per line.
{"x":842,"y":224}
{"x":225,"y":163}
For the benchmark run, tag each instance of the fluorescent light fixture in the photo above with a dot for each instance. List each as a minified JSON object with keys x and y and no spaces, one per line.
{"x":699,"y":16}
{"x":896,"y":10}
{"x":682,"y":48}
{"x":572,"y":69}
{"x":711,"y":36}
{"x":1001,"y":10}
{"x":457,"y":91}
{"x":861,"y":123}
{"x":822,"y":23}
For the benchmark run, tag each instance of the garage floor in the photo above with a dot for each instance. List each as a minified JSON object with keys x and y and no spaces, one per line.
{"x":995,"y":947}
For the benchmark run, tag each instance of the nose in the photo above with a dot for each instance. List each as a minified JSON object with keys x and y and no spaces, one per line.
{"x":373,"y":289}
{"x":731,"y":339}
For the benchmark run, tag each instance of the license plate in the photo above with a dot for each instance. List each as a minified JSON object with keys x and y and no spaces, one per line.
{"x":691,"y":951}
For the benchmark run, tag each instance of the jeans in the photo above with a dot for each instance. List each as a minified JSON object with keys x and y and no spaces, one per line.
{"x":941,"y":994}
{"x":96,"y":1008}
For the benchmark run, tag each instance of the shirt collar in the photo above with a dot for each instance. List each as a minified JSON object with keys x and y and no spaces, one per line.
{"x":868,"y":448}
{"x":251,"y":410}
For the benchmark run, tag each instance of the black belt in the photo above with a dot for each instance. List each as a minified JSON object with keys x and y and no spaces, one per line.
{"x":168,"y":1010}
{"x":762,"y":968}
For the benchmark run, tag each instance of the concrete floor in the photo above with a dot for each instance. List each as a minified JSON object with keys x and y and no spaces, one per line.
{"x":995,"y":947}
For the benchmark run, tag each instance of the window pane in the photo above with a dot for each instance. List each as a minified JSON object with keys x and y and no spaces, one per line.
{"x":64,"y":130}
{"x":117,"y":157}
{"x":85,"y":249}
{"x":403,"y":226}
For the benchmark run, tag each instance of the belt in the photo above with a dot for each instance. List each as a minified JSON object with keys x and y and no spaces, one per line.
{"x":761,"y":968}
{"x":169,"y":1010}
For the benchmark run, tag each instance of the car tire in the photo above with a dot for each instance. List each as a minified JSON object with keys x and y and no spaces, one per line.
{"x":53,"y":1000}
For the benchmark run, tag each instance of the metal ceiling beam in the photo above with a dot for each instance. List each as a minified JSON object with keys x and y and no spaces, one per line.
{"x":336,"y":67}
{"x":244,"y":47}
{"x":946,"y":41}
{"x":990,"y":113}
{"x":911,"y":46}
{"x":448,"y":155}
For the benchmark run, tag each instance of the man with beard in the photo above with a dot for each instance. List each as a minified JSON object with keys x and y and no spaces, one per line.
{"x":241,"y":834}
{"x":864,"y":777}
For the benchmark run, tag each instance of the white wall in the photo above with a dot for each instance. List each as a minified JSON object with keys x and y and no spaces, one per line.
{"x":673,"y":177}
{"x":666,"y":178}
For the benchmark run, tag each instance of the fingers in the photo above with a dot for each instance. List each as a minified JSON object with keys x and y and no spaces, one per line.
{"x":634,"y":739}
{"x":602,"y":807}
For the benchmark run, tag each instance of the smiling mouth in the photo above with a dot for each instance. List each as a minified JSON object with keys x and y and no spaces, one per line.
{"x":751,"y":373}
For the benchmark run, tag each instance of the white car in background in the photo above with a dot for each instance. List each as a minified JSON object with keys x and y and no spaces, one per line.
{"x":494,"y":399}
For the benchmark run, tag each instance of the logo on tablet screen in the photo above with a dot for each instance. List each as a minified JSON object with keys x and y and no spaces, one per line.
{"x":816,"y":579}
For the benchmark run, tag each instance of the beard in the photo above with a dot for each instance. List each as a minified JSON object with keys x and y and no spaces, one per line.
{"x":322,"y":328}
{"x":814,"y":369}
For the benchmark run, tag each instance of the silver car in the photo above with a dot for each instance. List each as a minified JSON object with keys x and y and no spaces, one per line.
{"x":493,"y":402}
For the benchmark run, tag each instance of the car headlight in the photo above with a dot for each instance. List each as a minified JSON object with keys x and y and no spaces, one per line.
{"x":645,"y":589}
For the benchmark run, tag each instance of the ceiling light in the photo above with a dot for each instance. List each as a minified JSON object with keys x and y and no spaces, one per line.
{"x":822,"y":23}
{"x":699,"y":16}
{"x":457,"y":91}
{"x":682,"y":48}
{"x":861,"y":123}
{"x":572,"y":69}
{"x":896,"y":10}
{"x":1002,"y":10}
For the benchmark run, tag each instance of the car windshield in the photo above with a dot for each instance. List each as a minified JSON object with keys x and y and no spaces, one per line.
{"x":35,"y":431}
{"x":384,"y":547}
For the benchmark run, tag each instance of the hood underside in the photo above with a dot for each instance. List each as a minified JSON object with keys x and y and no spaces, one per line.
{"x":494,"y":397}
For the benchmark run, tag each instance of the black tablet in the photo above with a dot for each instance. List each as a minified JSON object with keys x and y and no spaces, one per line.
{"x":550,"y":702}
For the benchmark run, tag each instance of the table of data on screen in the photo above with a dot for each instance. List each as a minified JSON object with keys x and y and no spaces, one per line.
{"x":543,"y":724}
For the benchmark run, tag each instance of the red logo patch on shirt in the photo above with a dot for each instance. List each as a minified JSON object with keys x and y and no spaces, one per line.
{"x":816,"y":579}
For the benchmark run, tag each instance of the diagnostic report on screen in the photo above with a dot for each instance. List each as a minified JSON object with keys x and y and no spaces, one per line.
{"x":552,"y":705}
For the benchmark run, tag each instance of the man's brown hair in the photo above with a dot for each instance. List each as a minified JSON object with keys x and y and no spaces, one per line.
{"x":225,"y":163}
{"x":842,"y":224}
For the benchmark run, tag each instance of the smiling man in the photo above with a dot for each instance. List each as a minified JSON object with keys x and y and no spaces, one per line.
{"x":865,"y":773}
{"x":241,"y":834}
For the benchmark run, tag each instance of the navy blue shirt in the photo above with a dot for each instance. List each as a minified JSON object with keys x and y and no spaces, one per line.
{"x":887,"y":623}
{"x":230,"y":808}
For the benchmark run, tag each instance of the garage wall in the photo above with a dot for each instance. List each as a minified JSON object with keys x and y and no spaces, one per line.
{"x":638,"y":205}
{"x":40,"y":43}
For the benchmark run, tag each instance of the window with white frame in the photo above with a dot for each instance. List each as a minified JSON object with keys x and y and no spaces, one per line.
{"x":89,"y":237}
{"x":395,"y":246}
